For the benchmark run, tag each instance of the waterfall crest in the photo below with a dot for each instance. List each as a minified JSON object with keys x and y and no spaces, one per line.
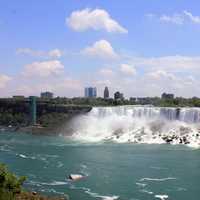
{"x":139,"y":124}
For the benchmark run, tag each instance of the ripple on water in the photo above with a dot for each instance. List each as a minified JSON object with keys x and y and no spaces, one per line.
{"x":53,"y":183}
{"x":146,"y":191}
{"x":94,"y":194}
{"x":157,"y":179}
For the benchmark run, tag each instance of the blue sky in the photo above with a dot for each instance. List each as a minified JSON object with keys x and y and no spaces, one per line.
{"x":140,"y":47}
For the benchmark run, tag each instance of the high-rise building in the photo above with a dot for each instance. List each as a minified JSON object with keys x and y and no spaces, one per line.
{"x":106,"y":93}
{"x":46,"y":95}
{"x":90,"y":92}
{"x":118,"y":96}
{"x":167,"y":96}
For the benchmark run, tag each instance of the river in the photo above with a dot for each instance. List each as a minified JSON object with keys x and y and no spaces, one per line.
{"x":115,"y":167}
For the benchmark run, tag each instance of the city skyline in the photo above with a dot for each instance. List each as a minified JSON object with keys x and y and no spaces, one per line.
{"x":152,"y":50}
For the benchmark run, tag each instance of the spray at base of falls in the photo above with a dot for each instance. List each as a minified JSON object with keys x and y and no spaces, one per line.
{"x":139,"y":124}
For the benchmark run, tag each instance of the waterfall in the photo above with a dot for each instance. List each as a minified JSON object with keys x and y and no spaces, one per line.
{"x":189,"y":115}
{"x":139,"y":124}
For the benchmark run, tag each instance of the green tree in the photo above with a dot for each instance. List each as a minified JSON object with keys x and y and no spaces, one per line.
{"x":10,"y":184}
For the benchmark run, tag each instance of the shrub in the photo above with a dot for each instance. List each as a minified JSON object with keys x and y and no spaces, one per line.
{"x":10,"y":184}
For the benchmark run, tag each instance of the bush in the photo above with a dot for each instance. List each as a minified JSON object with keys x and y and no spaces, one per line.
{"x":10,"y":185}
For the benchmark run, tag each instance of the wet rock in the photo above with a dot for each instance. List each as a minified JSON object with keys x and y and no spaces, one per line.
{"x":167,"y":139}
{"x":185,"y":140}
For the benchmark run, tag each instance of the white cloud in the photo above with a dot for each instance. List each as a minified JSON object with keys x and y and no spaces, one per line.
{"x":174,"y":74}
{"x":194,"y":19}
{"x":127,"y":69}
{"x":4,"y":79}
{"x":101,"y":49}
{"x":177,"y":18}
{"x":97,"y":19}
{"x":43,"y":69}
{"x":161,"y":74}
{"x":176,"y":63}
{"x":54,"y":53}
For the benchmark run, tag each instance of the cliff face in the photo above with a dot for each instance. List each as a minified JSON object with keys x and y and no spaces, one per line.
{"x":50,"y":116}
{"x":15,"y":107}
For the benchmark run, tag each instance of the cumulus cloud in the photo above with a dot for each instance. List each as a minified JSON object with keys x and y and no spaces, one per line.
{"x":4,"y":79}
{"x":54,"y":53}
{"x":155,"y":75}
{"x":177,"y":18}
{"x":174,"y":74}
{"x":43,"y":69}
{"x":160,"y":75}
{"x":97,"y":19}
{"x":176,"y":63}
{"x":101,"y":49}
{"x":127,"y":69}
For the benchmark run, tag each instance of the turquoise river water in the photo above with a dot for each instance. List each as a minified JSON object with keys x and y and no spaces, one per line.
{"x":112,"y":170}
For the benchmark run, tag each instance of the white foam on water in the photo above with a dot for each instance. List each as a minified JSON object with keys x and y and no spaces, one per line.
{"x":54,"y":183}
{"x":54,"y":191}
{"x":141,"y":184}
{"x":138,"y":124}
{"x":146,"y":191}
{"x":22,"y":156}
{"x":60,"y":164}
{"x":5,"y":148}
{"x":26,"y":157}
{"x":158,"y":179}
{"x":94,"y":194}
{"x":58,"y":183}
{"x":162,"y":197}
{"x":41,"y":157}
{"x":158,"y":168}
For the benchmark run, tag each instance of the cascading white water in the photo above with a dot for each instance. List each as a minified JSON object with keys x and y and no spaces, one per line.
{"x":140,"y":124}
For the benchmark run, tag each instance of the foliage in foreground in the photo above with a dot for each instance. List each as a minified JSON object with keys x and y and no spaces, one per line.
{"x":11,"y":187}
{"x":10,"y":184}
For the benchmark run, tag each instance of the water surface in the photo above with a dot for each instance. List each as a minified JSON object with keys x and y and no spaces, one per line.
{"x":127,"y":171}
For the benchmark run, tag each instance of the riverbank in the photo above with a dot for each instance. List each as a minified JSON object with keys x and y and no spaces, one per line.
{"x":11,"y":187}
{"x":36,"y":196}
{"x":49,"y":117}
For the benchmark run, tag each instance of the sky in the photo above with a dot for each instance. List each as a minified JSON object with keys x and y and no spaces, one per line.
{"x":139,"y":47}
